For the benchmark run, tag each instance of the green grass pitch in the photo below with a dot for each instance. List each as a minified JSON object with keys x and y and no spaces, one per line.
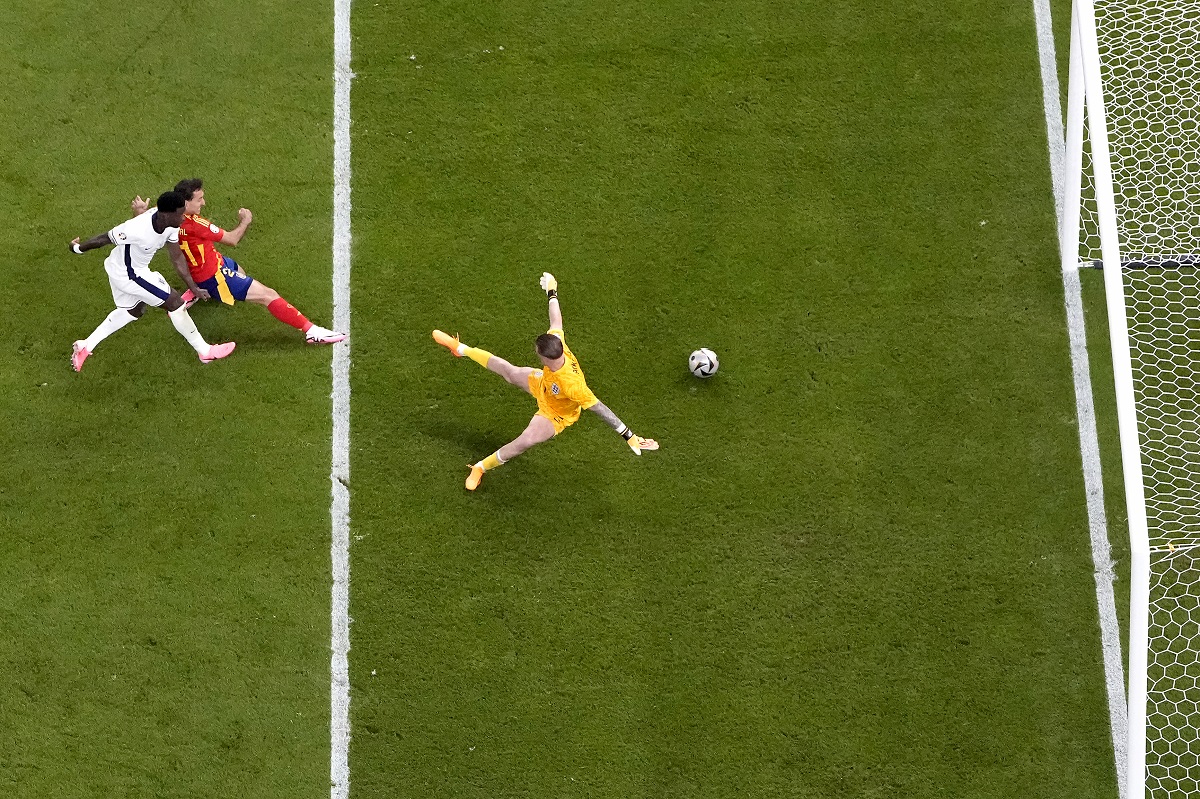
{"x":859,"y":565}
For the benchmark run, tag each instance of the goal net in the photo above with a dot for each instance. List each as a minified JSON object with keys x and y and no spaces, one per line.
{"x":1133,"y":185}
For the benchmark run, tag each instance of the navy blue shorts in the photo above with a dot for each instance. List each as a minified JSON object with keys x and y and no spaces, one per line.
{"x":229,"y":283}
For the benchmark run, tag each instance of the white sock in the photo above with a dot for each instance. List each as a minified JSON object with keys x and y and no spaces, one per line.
{"x":187,"y":328}
{"x":462,"y":349}
{"x":111,"y":324}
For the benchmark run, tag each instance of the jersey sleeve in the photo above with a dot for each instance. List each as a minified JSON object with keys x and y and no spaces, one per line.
{"x":557,"y":331}
{"x":173,"y":235}
{"x":579,"y":392}
{"x":118,"y":235}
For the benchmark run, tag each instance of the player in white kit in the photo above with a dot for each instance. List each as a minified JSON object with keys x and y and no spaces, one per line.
{"x":135,"y":285}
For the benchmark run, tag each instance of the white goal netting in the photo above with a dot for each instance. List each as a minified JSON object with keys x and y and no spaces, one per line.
{"x":1150,"y":67}
{"x":1173,"y":717}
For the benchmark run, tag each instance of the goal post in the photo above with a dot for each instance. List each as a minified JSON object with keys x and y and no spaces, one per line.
{"x":1132,"y":205}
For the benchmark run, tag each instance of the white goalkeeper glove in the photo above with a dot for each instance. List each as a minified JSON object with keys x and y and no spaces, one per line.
{"x":549,"y":285}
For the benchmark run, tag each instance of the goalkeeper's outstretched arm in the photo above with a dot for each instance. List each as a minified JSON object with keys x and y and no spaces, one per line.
{"x":550,"y":286}
{"x":635,"y":442}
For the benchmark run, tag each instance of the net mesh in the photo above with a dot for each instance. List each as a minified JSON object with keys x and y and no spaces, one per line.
{"x":1173,"y":707}
{"x":1149,"y":52}
{"x":1150,"y":65}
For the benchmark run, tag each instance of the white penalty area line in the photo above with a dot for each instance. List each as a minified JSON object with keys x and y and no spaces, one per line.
{"x":1110,"y":633}
{"x":339,"y":510}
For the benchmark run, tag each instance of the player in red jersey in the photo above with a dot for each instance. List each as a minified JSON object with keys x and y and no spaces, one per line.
{"x":221,"y":276}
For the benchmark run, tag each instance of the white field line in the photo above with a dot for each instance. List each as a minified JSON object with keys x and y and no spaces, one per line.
{"x":1110,"y":633}
{"x":339,"y":666}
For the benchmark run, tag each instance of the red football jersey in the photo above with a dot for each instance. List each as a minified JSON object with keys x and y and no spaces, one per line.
{"x":196,"y":238}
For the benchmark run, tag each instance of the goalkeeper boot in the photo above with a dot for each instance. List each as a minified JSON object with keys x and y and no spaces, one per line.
{"x":475,"y":477}
{"x":451,"y":343}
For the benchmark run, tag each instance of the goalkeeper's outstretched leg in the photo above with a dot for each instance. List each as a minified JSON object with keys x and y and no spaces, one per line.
{"x":516,"y":375}
{"x":538,"y":430}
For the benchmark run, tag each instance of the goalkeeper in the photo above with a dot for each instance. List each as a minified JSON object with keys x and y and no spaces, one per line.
{"x":559,"y":388}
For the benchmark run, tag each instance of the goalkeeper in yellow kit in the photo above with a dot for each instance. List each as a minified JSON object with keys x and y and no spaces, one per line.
{"x":559,"y":387}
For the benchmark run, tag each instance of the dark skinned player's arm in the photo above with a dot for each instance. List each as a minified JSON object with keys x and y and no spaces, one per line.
{"x":95,"y":242}
{"x":181,"y":268}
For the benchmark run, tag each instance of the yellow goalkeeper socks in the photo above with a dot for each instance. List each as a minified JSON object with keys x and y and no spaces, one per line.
{"x":491,"y":461}
{"x":477,"y":355}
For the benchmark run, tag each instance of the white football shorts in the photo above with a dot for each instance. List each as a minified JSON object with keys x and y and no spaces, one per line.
{"x":143,"y":286}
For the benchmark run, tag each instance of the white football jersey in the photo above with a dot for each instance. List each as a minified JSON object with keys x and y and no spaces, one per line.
{"x":135,"y":242}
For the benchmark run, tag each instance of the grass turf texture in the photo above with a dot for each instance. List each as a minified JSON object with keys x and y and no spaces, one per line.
{"x":859,"y":565}
{"x":165,"y":523}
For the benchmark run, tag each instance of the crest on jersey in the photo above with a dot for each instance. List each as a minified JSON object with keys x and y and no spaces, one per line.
{"x":554,"y":389}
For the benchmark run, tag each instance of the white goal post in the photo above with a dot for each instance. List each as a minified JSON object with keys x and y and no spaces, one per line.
{"x":1132,"y":206}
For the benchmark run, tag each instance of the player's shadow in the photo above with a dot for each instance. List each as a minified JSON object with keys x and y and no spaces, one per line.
{"x":479,"y":426}
{"x":572,"y":480}
{"x":472,"y":442}
{"x":217,"y":323}
{"x":268,"y":340}
{"x":253,"y":338}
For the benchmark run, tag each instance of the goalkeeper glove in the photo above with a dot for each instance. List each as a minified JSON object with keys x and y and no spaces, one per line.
{"x":549,"y":285}
{"x":637,"y":443}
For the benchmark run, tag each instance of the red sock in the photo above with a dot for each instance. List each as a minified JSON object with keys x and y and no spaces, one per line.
{"x":285,"y":312}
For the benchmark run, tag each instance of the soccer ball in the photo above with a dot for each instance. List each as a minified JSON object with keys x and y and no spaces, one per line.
{"x":703,"y":363}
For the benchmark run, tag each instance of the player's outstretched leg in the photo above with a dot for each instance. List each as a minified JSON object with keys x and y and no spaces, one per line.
{"x":116,"y":320}
{"x":539,"y":429}
{"x":517,"y":375}
{"x":285,"y":312}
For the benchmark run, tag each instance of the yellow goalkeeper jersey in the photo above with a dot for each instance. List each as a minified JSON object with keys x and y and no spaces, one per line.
{"x":563,"y":394}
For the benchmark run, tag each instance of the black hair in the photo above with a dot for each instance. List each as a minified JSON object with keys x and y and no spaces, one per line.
{"x":189,"y":186}
{"x":169,"y":202}
{"x":549,"y":346}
